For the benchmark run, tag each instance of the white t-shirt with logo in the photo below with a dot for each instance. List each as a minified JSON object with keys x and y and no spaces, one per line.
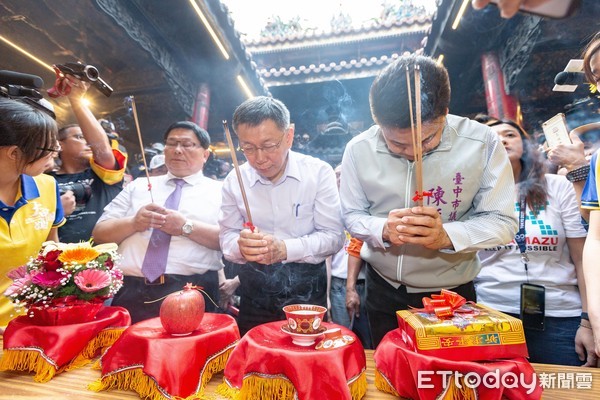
{"x":498,"y":284}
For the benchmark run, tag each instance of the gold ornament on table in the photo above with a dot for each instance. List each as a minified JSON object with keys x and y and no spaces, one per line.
{"x":66,"y":282}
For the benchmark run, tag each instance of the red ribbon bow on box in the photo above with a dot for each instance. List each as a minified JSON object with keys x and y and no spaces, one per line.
{"x":444,"y":304}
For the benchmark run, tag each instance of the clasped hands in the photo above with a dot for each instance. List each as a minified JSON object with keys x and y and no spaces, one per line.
{"x":417,"y":225}
{"x":154,"y":216}
{"x":261,"y":247}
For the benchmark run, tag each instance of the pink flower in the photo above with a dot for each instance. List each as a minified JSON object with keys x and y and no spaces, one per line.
{"x":48,"y":279}
{"x":17,"y":286}
{"x":17,"y":273}
{"x":92,"y":280}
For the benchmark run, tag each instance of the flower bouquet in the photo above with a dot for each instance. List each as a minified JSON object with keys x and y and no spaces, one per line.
{"x":66,"y":282}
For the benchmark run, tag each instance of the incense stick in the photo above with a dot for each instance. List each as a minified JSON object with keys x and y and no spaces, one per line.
{"x":410,"y":110}
{"x":239,"y":175}
{"x":419,"y":137}
{"x":139,"y":134}
{"x":416,"y":135}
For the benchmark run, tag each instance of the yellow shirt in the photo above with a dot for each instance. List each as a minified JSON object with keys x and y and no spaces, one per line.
{"x":24,"y":227}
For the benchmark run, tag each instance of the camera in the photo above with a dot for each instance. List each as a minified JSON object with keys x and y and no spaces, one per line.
{"x":81,"y":190}
{"x":23,"y":87}
{"x":87,"y":73}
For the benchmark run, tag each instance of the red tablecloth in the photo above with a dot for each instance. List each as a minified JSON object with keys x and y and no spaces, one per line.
{"x":157,"y":365}
{"x":48,"y":350}
{"x":267,"y":365}
{"x":404,"y":373}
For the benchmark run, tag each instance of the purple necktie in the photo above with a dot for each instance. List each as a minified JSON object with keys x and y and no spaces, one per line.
{"x":155,"y":260}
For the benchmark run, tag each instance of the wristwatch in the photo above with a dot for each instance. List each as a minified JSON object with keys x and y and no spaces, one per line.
{"x":187,"y":228}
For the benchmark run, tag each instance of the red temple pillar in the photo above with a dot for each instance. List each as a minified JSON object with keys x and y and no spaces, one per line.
{"x":499,"y":103}
{"x":201,"y":106}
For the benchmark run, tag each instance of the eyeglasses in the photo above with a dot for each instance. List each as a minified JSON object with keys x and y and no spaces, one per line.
{"x":184,"y":145}
{"x":251,"y":150}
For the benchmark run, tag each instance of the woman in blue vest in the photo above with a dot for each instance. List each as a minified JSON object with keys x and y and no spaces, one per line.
{"x":30,"y":208}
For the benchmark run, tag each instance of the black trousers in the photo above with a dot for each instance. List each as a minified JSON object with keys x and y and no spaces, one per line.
{"x":265,"y":289}
{"x":383,"y":300}
{"x":135,"y":292}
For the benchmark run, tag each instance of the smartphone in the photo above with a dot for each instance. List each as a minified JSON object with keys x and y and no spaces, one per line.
{"x":555,"y":9}
{"x":533,"y":306}
{"x":556,"y":131}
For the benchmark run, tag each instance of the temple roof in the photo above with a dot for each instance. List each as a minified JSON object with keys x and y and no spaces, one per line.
{"x":342,"y":70}
{"x":309,"y":38}
{"x":351,"y":53}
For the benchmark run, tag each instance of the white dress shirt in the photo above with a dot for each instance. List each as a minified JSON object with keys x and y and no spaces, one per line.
{"x":200,"y":201}
{"x":302,"y":208}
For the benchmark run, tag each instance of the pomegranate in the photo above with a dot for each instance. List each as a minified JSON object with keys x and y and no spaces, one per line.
{"x":181,"y":312}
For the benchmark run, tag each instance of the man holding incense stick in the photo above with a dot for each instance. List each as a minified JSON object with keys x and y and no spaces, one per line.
{"x":296,"y":222}
{"x":467,"y":192}
{"x":166,"y":227}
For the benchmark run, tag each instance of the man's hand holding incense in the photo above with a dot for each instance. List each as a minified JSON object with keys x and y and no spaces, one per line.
{"x":261,"y":248}
{"x":417,"y":225}
{"x":150,"y":216}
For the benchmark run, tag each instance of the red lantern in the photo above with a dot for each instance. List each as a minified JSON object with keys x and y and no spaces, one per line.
{"x":181,"y":312}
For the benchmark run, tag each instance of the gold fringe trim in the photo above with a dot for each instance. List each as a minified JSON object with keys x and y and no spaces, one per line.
{"x":358,"y":388}
{"x":34,"y":360}
{"x":453,"y":392}
{"x":214,"y":366}
{"x":257,"y":388}
{"x":102,"y":340}
{"x":383,"y":384}
{"x":97,"y":365}
{"x":225,"y":390}
{"x":30,"y":361}
{"x":135,"y":379}
{"x":276,"y":387}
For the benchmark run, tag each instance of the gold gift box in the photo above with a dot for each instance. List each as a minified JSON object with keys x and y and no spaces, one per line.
{"x":474,"y":333}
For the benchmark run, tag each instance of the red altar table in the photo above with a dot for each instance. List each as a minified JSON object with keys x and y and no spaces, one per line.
{"x":405,"y":373}
{"x":157,"y":365}
{"x":267,"y":365}
{"x":48,"y":350}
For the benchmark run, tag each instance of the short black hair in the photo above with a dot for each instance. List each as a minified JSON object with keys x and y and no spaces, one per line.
{"x":32,"y":130}
{"x":389,"y":94}
{"x":200,"y":133}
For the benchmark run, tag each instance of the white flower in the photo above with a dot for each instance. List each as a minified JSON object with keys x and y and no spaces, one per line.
{"x":106,"y":247}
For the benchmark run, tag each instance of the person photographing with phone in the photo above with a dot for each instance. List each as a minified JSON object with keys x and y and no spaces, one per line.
{"x":539,"y":275}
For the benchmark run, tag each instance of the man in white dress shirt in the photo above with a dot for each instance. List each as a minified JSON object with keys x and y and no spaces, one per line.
{"x":130,"y":219}
{"x":294,"y":204}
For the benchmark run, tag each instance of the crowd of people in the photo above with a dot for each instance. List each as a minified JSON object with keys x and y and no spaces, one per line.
{"x":493,"y":223}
